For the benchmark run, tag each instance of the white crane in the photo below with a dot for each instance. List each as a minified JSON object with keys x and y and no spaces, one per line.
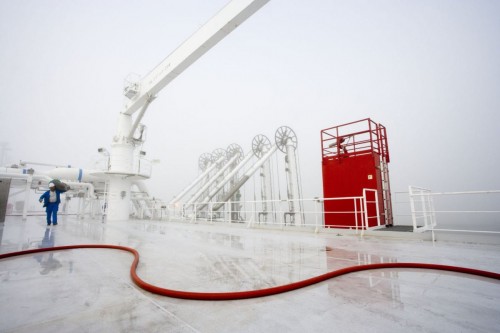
{"x":140,"y":94}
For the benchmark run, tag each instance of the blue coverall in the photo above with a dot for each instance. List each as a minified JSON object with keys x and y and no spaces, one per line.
{"x":51,"y":207}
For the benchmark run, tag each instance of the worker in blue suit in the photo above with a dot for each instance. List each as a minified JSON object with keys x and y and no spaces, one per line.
{"x":51,"y":200}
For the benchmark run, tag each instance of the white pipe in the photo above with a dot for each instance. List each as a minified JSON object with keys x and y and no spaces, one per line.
{"x":293,"y":186}
{"x":13,"y":170}
{"x":216,"y":176}
{"x":73,"y":174}
{"x":179,"y":196}
{"x":25,"y":176}
{"x":228,"y":177}
{"x":46,"y":179}
{"x":43,"y":164}
{"x":89,"y":187}
{"x":266,"y":187}
{"x":69,"y":175}
{"x":240,"y":182}
{"x":14,"y":175}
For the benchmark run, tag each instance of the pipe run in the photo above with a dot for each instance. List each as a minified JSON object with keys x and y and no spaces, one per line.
{"x":225,"y":296}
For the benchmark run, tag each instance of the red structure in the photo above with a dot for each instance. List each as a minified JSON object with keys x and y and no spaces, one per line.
{"x":355,"y":175}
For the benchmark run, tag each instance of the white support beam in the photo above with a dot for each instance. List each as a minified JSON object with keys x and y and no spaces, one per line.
{"x":221,"y":25}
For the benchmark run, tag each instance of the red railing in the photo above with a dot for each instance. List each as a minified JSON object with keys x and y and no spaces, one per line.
{"x":354,"y":139}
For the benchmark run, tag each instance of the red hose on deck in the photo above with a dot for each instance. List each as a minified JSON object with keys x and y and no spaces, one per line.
{"x":218,"y":296}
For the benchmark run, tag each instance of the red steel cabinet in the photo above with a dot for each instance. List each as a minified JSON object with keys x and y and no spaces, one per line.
{"x":354,"y":161}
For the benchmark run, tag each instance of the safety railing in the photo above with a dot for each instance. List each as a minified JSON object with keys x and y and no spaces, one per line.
{"x":277,"y":212}
{"x":422,"y":209}
{"x":465,"y":211}
{"x":353,"y":139}
{"x":356,"y":213}
{"x":367,"y":203}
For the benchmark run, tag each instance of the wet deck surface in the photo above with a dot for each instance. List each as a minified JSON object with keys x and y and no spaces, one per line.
{"x":90,"y":290}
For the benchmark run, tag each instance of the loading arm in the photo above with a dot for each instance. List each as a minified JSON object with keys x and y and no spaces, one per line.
{"x":238,"y":184}
{"x":233,"y":159}
{"x":179,"y":196}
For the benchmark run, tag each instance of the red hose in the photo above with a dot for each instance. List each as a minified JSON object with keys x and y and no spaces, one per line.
{"x":251,"y":293}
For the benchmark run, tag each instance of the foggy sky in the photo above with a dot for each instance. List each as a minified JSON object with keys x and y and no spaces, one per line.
{"x":428,"y":70}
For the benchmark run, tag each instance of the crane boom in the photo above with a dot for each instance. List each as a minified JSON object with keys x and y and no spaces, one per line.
{"x":218,"y":27}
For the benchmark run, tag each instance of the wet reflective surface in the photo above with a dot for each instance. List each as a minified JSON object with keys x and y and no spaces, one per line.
{"x":90,"y":290}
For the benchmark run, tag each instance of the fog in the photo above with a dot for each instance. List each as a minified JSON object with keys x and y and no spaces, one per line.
{"x":428,"y":70}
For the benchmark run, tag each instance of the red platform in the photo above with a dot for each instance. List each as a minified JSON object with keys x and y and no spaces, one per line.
{"x":355,"y":175}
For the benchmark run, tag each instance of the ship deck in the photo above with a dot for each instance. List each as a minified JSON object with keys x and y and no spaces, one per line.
{"x":90,"y":290}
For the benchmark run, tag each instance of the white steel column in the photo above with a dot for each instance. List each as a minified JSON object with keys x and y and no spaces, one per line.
{"x":121,"y":167}
{"x":293,"y":184}
{"x":260,"y":145}
{"x":29,"y":179}
{"x":266,"y":189}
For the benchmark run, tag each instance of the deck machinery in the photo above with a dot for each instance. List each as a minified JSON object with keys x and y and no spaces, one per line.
{"x":225,"y":172}
{"x":355,"y":175}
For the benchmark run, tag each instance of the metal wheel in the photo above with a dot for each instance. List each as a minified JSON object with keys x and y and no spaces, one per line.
{"x":234,"y":150}
{"x":260,"y":145}
{"x":204,"y":160}
{"x":285,"y":135}
{"x":217,"y":154}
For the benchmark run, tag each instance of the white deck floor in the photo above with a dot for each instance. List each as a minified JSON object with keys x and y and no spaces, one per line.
{"x":90,"y":290}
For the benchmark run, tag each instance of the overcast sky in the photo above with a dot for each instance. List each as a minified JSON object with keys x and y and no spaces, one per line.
{"x":429,"y":70}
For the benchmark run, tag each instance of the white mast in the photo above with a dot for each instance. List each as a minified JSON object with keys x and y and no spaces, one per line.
{"x":286,"y":140}
{"x":260,"y":145}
